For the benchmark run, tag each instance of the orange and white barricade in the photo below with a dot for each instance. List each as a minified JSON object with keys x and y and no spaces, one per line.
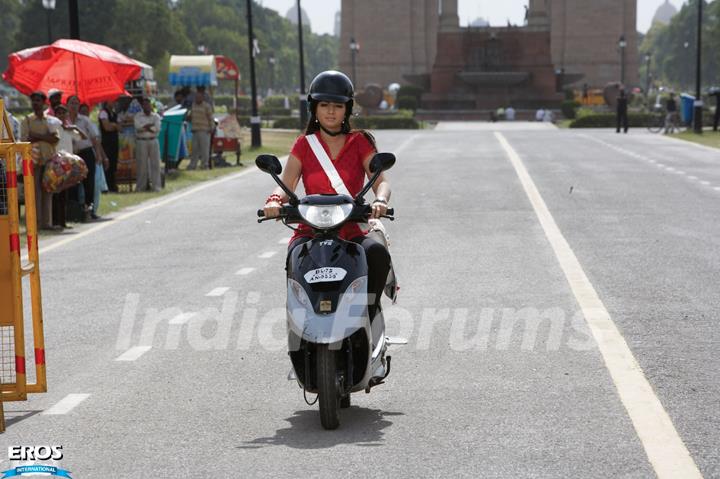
{"x":14,"y":384}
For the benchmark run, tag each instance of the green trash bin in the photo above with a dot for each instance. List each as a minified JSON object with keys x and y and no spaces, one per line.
{"x":173,"y":147}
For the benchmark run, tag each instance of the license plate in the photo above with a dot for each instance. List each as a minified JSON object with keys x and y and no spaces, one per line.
{"x":325,"y":275}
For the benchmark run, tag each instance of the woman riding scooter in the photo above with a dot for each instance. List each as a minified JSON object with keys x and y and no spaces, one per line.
{"x":329,"y":134}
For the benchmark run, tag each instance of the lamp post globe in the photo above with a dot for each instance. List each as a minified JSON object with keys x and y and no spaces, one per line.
{"x":354,"y":49}
{"x":622,"y":44}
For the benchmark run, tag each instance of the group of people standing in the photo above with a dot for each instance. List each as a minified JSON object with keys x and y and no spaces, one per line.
{"x":622,"y":122}
{"x":66,"y":127}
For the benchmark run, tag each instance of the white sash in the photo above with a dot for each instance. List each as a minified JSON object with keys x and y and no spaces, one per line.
{"x":337,"y":183}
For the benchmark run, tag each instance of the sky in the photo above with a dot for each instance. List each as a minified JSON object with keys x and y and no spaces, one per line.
{"x":322,"y":12}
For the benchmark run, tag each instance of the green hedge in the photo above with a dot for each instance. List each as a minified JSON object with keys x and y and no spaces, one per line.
{"x":569,"y":109}
{"x":385,"y":123}
{"x":287,"y":122}
{"x":276,"y":101}
{"x":363,"y":122}
{"x":411,"y":91}
{"x":274,"y":111}
{"x":608,"y":120}
{"x":407,"y":103}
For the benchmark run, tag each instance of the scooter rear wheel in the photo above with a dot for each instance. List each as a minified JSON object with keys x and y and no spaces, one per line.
{"x":328,"y":387}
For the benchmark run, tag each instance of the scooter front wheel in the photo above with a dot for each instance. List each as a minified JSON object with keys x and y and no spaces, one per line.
{"x":328,"y":387}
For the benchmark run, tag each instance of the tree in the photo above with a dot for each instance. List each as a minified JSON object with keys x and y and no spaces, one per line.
{"x":673,"y":47}
{"x":147,"y":30}
{"x":152,"y":30}
{"x":9,"y":24}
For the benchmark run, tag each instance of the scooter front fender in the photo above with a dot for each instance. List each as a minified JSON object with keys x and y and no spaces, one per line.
{"x":349,"y":316}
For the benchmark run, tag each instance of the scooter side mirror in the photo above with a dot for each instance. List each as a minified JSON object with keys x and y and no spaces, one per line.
{"x":382,"y":162}
{"x":379,"y":163}
{"x":269,"y":164}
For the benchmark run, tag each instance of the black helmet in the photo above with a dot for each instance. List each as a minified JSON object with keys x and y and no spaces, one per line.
{"x":331,"y":86}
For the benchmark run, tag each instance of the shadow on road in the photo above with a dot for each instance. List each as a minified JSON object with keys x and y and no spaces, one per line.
{"x":12,"y":417}
{"x":360,"y":426}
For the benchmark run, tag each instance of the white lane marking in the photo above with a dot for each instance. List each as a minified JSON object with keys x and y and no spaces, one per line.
{"x":659,"y":165}
{"x":218,"y":291}
{"x":717,"y":188}
{"x":181,"y":318}
{"x":284,"y":240}
{"x":67,"y":404}
{"x":133,"y":353}
{"x":664,"y":447}
{"x":124,"y":216}
{"x":244,"y":271}
{"x":268,"y":254}
{"x":405,"y":144}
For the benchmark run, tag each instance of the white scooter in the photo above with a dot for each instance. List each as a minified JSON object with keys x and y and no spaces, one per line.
{"x":334,"y":348}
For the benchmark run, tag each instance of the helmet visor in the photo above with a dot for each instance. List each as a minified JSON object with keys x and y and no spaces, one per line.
{"x":329,"y":97}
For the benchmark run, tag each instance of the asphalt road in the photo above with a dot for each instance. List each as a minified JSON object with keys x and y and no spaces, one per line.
{"x":502,"y":376}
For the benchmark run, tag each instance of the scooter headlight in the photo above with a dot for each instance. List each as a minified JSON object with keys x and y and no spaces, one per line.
{"x":325,"y":216}
{"x":298,"y":292}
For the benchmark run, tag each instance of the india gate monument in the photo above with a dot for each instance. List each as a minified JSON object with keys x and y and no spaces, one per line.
{"x":563,"y":44}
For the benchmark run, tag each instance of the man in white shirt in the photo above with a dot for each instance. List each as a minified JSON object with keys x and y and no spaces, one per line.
{"x":147,"y":148}
{"x":510,"y":113}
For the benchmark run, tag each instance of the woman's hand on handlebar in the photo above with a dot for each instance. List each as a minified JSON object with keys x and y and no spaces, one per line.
{"x":379,"y":209}
{"x":272,"y":209}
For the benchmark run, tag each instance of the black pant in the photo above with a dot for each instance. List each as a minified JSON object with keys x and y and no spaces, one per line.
{"x":378,"y":259}
{"x":112,"y":151}
{"x":88,"y":156}
{"x":59,"y":208}
{"x":622,"y":121}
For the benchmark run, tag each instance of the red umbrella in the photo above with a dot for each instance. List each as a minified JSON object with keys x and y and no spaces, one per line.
{"x":93,"y":72}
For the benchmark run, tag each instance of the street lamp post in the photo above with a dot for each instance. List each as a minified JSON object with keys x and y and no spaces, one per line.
{"x":74,"y":19}
{"x":698,"y":105}
{"x":49,"y":6}
{"x":272,"y":61}
{"x":354,"y":49}
{"x":648,"y":60}
{"x":622,"y":44}
{"x":254,"y":119}
{"x":303,"y":100}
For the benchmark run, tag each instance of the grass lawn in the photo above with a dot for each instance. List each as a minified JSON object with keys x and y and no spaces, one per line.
{"x":277,"y":143}
{"x":708,"y":138}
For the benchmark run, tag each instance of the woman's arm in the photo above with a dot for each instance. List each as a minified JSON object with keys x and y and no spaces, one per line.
{"x":290,"y":177}
{"x":109,"y":125}
{"x":381,"y":188}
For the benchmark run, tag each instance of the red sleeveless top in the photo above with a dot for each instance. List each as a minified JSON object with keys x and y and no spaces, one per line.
{"x":349,"y":165}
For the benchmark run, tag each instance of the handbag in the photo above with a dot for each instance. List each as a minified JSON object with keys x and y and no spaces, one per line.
{"x":64,"y":170}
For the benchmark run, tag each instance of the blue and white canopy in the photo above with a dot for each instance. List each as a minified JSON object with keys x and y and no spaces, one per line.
{"x":193,"y":70}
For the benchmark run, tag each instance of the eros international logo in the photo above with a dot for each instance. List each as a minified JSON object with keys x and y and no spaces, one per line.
{"x":35,"y":453}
